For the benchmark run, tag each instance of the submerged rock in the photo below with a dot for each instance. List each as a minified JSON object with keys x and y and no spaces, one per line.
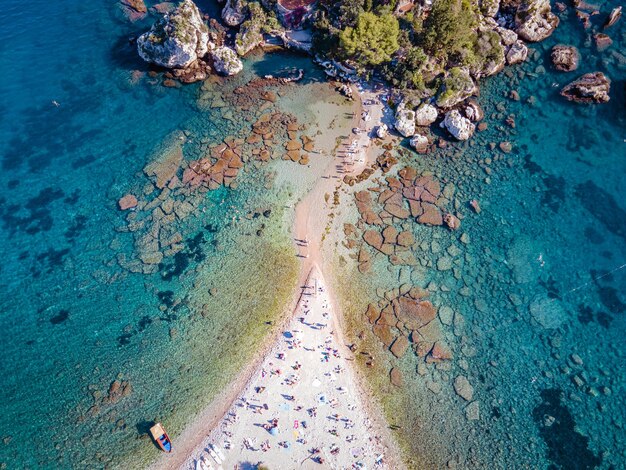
{"x":463,"y":388}
{"x":590,"y":88}
{"x":534,"y":20}
{"x":177,"y":40}
{"x":460,"y":127}
{"x":565,"y":58}
{"x":127,"y":202}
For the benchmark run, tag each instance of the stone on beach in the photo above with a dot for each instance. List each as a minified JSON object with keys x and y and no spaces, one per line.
{"x":405,"y":121}
{"x":425,"y":115}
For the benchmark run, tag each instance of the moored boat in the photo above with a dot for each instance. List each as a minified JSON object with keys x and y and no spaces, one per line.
{"x":161,"y":438}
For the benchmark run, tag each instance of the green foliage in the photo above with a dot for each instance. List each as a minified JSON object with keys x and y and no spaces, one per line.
{"x":450,"y":31}
{"x":372,"y":41}
{"x":456,"y":83}
{"x":408,"y":71}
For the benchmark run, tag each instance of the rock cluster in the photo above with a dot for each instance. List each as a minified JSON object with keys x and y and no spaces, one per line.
{"x":180,"y":41}
{"x":177,"y":40}
{"x":409,"y":321}
{"x":590,"y":88}
{"x":534,"y":20}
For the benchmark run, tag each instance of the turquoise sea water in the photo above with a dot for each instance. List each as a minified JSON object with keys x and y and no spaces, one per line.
{"x":550,"y":238}
{"x":536,"y":284}
{"x":76,"y":324}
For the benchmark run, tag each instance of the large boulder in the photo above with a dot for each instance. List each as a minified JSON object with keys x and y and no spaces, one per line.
{"x":590,"y":88}
{"x":517,"y":53}
{"x":177,"y":40}
{"x":226,"y":61}
{"x":405,"y":121}
{"x":565,"y":58}
{"x":233,"y":13}
{"x":456,"y":86}
{"x":508,"y":36}
{"x":426,"y":114}
{"x":534,"y":20}
{"x":460,"y":127}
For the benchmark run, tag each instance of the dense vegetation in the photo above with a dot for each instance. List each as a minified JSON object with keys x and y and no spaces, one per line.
{"x":413,"y":50}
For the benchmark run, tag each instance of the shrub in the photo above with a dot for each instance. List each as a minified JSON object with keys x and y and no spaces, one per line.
{"x":372,"y":41}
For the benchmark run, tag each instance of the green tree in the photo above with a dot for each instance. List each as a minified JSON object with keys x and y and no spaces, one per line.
{"x":450,"y":31}
{"x":372,"y":41}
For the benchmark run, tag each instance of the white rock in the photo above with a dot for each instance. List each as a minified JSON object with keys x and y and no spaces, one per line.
{"x":460,"y":127}
{"x":426,"y":114}
{"x":534,"y":20}
{"x":233,"y":14}
{"x":177,"y":40}
{"x":226,"y":61}
{"x":473,"y":111}
{"x":381,"y":131}
{"x":420,"y":143}
{"x":508,"y":36}
{"x":405,"y":121}
{"x":517,"y":53}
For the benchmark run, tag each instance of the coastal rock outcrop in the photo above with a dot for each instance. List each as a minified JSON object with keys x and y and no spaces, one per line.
{"x":177,"y":40}
{"x":226,"y":61}
{"x":534,"y":20}
{"x":456,"y":86}
{"x":233,"y":13}
{"x":590,"y":88}
{"x":565,"y":58}
{"x":517,"y":53}
{"x":459,"y":126}
{"x":425,"y":115}
{"x":405,"y":121}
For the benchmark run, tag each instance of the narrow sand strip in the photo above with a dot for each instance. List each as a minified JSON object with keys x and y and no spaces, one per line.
{"x":303,"y":406}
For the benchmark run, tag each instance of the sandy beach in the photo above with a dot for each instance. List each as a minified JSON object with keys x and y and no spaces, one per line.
{"x":303,"y":407}
{"x":300,"y":403}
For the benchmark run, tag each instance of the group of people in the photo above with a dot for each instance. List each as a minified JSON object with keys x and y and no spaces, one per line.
{"x":295,"y":415}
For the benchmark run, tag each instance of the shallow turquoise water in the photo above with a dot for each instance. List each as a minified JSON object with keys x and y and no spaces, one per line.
{"x":74,"y":321}
{"x":552,"y":227}
{"x":537,"y":287}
